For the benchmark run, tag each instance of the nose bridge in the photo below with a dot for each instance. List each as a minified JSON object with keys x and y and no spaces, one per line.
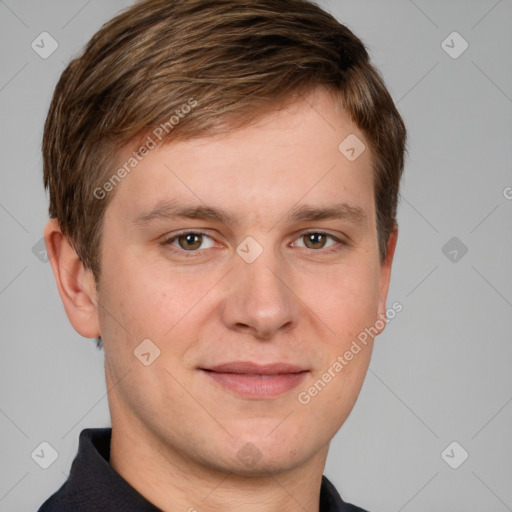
{"x":260,"y":300}
{"x":263,"y":277}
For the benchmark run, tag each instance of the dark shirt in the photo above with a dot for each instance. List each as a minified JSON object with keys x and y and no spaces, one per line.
{"x":93,"y":485}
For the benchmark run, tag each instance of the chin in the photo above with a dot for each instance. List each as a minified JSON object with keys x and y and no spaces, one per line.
{"x":259,"y":454}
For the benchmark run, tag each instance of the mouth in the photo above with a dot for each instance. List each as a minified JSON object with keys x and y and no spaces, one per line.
{"x":251,"y":380}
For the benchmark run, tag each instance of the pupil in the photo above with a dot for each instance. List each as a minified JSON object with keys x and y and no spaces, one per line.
{"x":315,"y":238}
{"x":191,"y":241}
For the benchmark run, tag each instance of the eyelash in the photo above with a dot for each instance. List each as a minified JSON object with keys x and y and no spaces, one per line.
{"x":340,"y":244}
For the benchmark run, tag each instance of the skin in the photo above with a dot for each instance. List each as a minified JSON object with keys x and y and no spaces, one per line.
{"x":176,"y":432}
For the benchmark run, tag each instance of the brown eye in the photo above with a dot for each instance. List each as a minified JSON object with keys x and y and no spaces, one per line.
{"x":190,"y":241}
{"x":318,"y":240}
{"x":314,"y":240}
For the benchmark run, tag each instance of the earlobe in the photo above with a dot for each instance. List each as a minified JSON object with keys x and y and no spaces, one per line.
{"x":75,"y":282}
{"x":385,"y":275}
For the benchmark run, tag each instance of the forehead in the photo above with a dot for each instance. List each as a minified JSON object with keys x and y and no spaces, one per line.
{"x":288,"y":157}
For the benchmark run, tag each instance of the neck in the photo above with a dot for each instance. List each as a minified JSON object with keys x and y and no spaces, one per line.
{"x":171,"y":481}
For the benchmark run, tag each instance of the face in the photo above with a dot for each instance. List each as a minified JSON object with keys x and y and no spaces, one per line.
{"x":249,"y":264}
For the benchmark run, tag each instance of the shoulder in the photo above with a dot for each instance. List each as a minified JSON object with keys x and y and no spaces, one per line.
{"x":331,"y":501}
{"x":353,"y":508}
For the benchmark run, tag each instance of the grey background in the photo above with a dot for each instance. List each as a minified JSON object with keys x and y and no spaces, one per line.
{"x":441,"y":371}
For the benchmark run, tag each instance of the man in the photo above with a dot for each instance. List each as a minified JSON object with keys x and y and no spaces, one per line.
{"x":223,"y":182}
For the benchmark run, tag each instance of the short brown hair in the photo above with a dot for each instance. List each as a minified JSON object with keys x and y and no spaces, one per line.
{"x":237,"y":59}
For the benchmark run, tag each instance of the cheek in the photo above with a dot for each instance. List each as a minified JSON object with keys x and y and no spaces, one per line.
{"x":152,"y":301}
{"x":346,"y":298}
{"x":139,"y":297}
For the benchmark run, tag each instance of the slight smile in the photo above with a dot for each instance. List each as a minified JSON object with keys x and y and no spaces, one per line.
{"x":257,"y":381}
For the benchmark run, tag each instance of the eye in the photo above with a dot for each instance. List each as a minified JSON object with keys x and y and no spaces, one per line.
{"x":193,"y":241}
{"x":189,"y":241}
{"x":317,"y":240}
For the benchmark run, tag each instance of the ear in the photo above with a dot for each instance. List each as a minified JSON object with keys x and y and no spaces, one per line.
{"x":75,"y":282}
{"x":385,"y":274}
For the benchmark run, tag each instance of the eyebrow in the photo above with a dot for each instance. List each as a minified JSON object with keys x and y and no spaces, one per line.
{"x":171,"y":210}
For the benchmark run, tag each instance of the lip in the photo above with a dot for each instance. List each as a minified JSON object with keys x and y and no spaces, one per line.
{"x":254,"y":381}
{"x":250,"y":368}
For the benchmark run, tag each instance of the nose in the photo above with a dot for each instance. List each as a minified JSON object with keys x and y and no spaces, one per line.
{"x":261,"y":301}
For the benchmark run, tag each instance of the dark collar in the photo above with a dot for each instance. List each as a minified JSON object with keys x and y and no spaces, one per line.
{"x":93,"y":484}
